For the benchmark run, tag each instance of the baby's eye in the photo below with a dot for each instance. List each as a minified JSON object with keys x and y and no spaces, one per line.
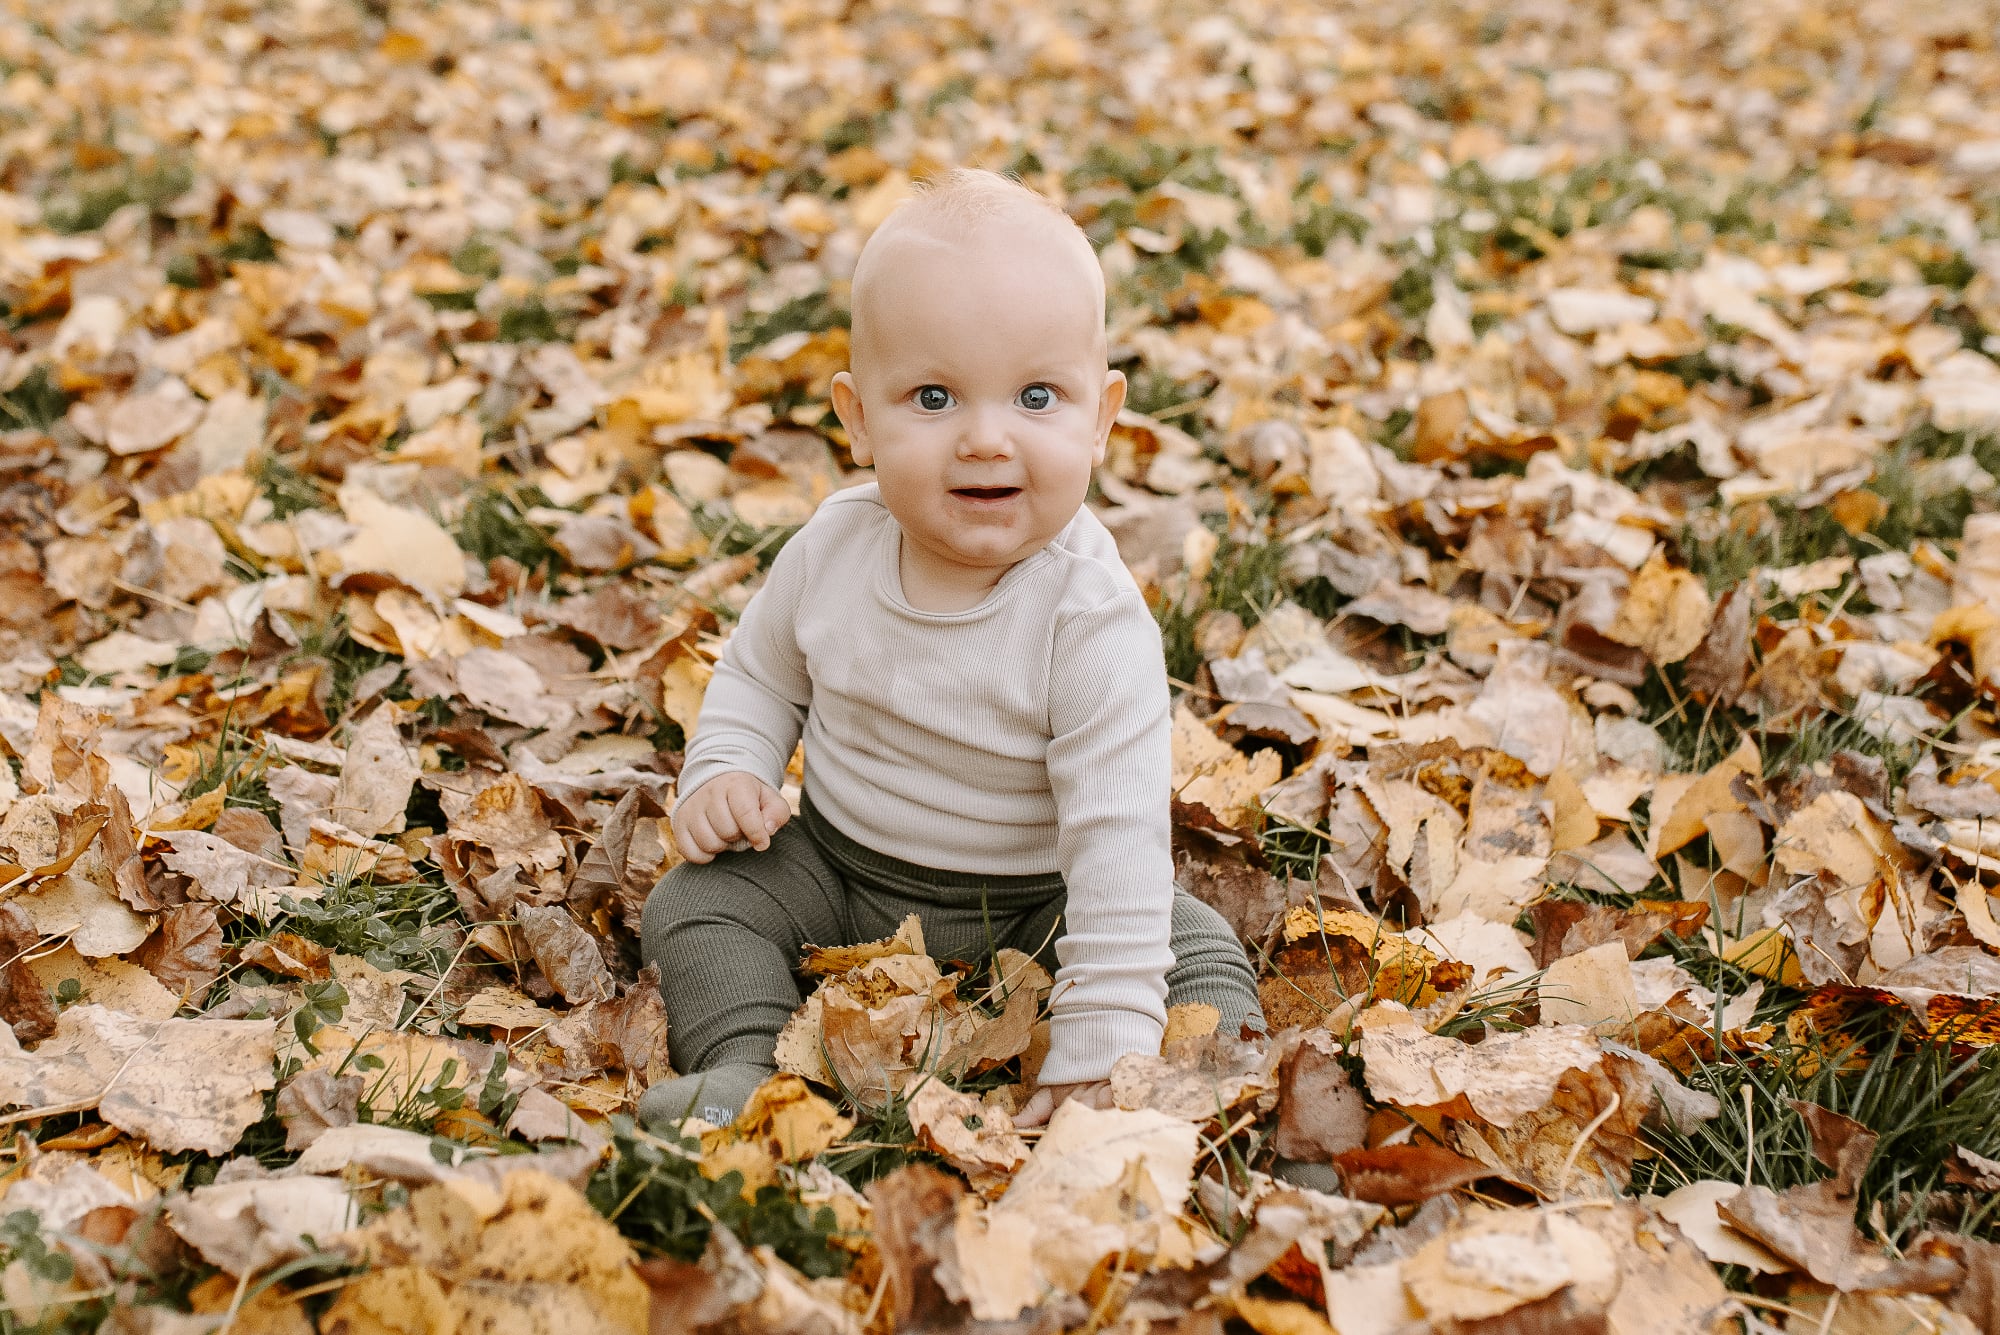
{"x":934,"y":398}
{"x":1037,"y":397}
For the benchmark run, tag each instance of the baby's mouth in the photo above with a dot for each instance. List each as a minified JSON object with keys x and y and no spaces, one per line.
{"x":985,"y":493}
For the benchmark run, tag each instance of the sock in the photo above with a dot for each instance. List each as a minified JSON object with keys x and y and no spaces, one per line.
{"x":1304,"y":1173}
{"x":714,"y":1095}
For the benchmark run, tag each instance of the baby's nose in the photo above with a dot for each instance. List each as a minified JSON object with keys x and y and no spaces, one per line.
{"x":985,"y":437}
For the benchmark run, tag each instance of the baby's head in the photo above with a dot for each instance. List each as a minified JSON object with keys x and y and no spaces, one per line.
{"x":978,"y":364}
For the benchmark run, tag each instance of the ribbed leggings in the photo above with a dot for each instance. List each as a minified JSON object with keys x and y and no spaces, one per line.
{"x":728,"y":934}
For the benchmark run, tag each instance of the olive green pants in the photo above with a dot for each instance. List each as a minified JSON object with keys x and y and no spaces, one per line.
{"x":728,"y":934}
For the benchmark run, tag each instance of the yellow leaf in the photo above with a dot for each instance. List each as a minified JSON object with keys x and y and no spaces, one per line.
{"x":1666,"y":613}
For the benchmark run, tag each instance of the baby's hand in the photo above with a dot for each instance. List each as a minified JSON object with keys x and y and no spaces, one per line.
{"x":731,"y":812}
{"x":1042,"y":1106}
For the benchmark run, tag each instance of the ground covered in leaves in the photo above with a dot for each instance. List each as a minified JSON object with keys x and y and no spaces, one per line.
{"x":1562,"y":458}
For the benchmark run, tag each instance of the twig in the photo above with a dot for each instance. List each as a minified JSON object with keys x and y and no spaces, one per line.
{"x":1749,"y":1133}
{"x":1569,"y":1160}
{"x":442,"y":976}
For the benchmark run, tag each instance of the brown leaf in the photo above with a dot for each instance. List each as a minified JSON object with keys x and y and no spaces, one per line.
{"x":568,"y":955}
{"x":377,"y":776}
{"x":1841,"y":1143}
{"x":1666,"y":613}
{"x":1978,"y":1295}
{"x":1407,"y":1174}
{"x":1198,"y":1079}
{"x":1025,"y":983}
{"x":185,"y":950}
{"x":1549,"y":1149}
{"x":1501,"y":1080}
{"x":180,"y":1084}
{"x":629,"y":1034}
{"x":602,"y":542}
{"x":827,"y":961}
{"x":221,"y":872}
{"x":533,"y":1250}
{"x":1249,"y":898}
{"x":1320,"y":1112}
{"x":396,"y":544}
{"x":508,"y":819}
{"x":615,"y":615}
{"x":121,"y":855}
{"x":913,"y":1209}
{"x":314,"y":1102}
{"x":64,"y":757}
{"x":600,"y":876}
{"x":1813,"y":1228}
{"x":1567,"y":927}
{"x":1966,"y":1169}
{"x":24,"y":1002}
{"x":978,"y":1140}
{"x":289,"y":955}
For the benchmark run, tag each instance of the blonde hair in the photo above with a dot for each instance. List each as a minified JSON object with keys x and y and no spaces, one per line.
{"x":952,"y":208}
{"x":963,"y":197}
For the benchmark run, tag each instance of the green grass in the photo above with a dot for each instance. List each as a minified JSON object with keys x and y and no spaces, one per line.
{"x":288,"y":490}
{"x":653,"y":1190}
{"x":1920,"y":1097}
{"x":728,"y":535}
{"x":810,"y":314}
{"x":1917,"y":503}
{"x":36,"y":402}
{"x":85,"y":202}
{"x":495,"y":523}
{"x":346,"y":660}
{"x":392,"y":926}
{"x":1244,"y":578}
{"x":477,"y":257}
{"x":533,"y":321}
{"x":1697,"y":737}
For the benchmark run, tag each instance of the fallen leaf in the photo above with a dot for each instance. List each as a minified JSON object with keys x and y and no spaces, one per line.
{"x":395,"y":544}
{"x":179,"y":1084}
{"x":245,"y":1227}
{"x":1692,"y":1209}
{"x":976,"y":1139}
{"x":1501,"y":1080}
{"x":567,"y":954}
{"x":1320,"y":1112}
{"x":377,"y":776}
{"x":1407,"y":1174}
{"x":1666,"y":614}
{"x":530,"y":1256}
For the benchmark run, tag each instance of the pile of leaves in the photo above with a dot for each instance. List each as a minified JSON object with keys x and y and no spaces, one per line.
{"x":1561,"y":456}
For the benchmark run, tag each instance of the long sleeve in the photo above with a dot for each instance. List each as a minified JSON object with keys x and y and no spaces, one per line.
{"x":755,"y":707}
{"x":1110,"y":769}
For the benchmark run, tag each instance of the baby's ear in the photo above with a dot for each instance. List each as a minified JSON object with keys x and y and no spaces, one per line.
{"x":847,"y":407}
{"x":1109,"y":404}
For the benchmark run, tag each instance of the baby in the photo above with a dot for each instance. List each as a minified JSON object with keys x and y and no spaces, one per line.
{"x":979,"y":683}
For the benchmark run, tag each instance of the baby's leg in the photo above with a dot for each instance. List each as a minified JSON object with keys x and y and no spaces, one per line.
{"x":727,"y":935}
{"x":1211,"y":966}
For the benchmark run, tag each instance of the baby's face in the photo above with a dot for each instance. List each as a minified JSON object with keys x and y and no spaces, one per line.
{"x":979,"y":393}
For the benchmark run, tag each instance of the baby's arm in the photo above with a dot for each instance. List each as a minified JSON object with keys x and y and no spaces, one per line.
{"x":1110,"y":767}
{"x":751,"y":717}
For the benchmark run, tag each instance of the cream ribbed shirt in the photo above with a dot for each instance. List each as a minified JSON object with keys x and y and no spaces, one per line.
{"x":1026,"y":735}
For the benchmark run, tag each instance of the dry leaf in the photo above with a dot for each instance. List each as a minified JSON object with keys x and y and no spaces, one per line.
{"x":567,"y":954}
{"x":180,"y":1084}
{"x":395,"y":544}
{"x":377,"y":776}
{"x":531,"y":1256}
{"x":977,"y":1139}
{"x":1501,"y":1080}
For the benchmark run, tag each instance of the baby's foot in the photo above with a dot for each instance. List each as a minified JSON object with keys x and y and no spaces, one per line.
{"x":714,"y":1095}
